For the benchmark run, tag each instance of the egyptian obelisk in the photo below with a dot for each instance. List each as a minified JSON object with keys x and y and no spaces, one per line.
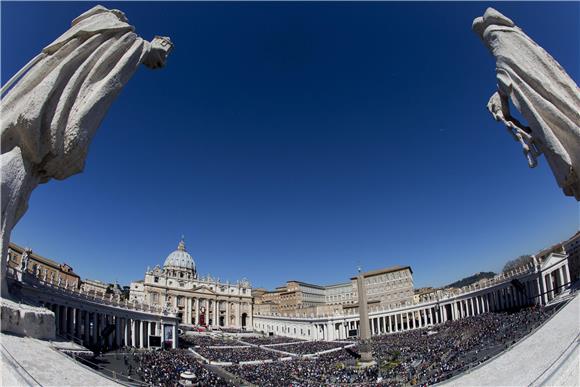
{"x":364,"y":328}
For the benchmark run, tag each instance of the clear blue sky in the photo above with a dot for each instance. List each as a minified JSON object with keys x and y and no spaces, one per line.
{"x":298,"y":140}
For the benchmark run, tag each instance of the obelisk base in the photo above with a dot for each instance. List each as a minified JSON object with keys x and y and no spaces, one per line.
{"x":366,"y":356}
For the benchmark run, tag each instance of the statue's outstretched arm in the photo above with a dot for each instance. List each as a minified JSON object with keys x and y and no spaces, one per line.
{"x":498,"y":106}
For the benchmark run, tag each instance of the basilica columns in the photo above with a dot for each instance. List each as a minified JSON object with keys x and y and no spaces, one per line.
{"x":215,"y":320}
{"x":227,"y":319}
{"x":188,"y":308}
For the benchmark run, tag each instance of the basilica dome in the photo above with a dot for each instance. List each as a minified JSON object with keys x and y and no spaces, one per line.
{"x":180,"y":258}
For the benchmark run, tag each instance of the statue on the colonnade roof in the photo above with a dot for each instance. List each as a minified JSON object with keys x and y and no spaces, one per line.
{"x":52,"y":107}
{"x":544,"y":94}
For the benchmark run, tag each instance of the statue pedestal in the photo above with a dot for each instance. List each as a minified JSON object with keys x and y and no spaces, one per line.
{"x":366,"y":356}
{"x":27,"y":320}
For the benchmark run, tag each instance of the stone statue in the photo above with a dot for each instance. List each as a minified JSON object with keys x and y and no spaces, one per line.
{"x":544,"y":94}
{"x":25,"y":259}
{"x":52,"y":108}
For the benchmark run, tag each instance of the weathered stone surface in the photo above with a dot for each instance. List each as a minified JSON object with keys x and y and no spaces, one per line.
{"x":30,"y":362}
{"x":545,"y":95}
{"x":58,"y":101}
{"x":27,"y":320}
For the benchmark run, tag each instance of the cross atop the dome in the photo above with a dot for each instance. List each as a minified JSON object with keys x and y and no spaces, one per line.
{"x":181,"y":246}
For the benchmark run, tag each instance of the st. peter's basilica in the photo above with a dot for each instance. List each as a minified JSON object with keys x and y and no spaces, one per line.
{"x":204,"y":301}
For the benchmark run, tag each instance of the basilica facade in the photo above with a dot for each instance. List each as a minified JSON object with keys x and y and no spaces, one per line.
{"x":202,"y":301}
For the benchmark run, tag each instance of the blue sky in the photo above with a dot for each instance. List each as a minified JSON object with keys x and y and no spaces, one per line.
{"x":299,"y":140}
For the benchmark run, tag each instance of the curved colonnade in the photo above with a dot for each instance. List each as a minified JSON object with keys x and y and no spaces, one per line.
{"x":525,"y":286}
{"x":98,"y":321}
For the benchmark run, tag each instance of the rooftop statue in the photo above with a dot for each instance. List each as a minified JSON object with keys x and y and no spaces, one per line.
{"x":52,"y":107}
{"x":545,"y":95}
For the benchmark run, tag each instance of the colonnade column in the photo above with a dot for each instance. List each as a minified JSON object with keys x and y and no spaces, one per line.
{"x":133,"y":343}
{"x":141,"y":335}
{"x":543,"y":288}
{"x":87,"y":328}
{"x":56,"y":311}
{"x":62,"y":319}
{"x":95,"y":321}
{"x":197,"y":311}
{"x":77,"y":325}
{"x":549,"y":287}
{"x":560,"y":280}
{"x":566,"y":272}
{"x":110,"y":321}
{"x":70,"y":319}
{"x":125,"y":323}
{"x":117,"y":331}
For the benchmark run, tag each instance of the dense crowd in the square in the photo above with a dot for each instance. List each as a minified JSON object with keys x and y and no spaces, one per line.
{"x":269,"y":340}
{"x":232,"y":330}
{"x":200,"y":340}
{"x":236,"y":355}
{"x":163,"y":368}
{"x":418,"y":357}
{"x":310,"y":347}
{"x":424,"y":356}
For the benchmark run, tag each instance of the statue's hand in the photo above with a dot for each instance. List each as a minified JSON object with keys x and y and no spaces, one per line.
{"x":159,"y":49}
{"x":494,"y":105}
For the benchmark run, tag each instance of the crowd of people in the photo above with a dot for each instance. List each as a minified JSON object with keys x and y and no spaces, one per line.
{"x":231,"y":330}
{"x":269,"y":340}
{"x":236,"y":355}
{"x":309,"y":347}
{"x":198,"y":340}
{"x":329,"y":369}
{"x":417,"y":357}
{"x":424,"y":356}
{"x":163,"y":368}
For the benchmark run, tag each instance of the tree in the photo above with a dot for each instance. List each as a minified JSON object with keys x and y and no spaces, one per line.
{"x":519,"y":261}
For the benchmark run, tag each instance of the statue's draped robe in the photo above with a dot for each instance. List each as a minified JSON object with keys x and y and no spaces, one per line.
{"x":546,"y":97}
{"x":53,"y":111}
